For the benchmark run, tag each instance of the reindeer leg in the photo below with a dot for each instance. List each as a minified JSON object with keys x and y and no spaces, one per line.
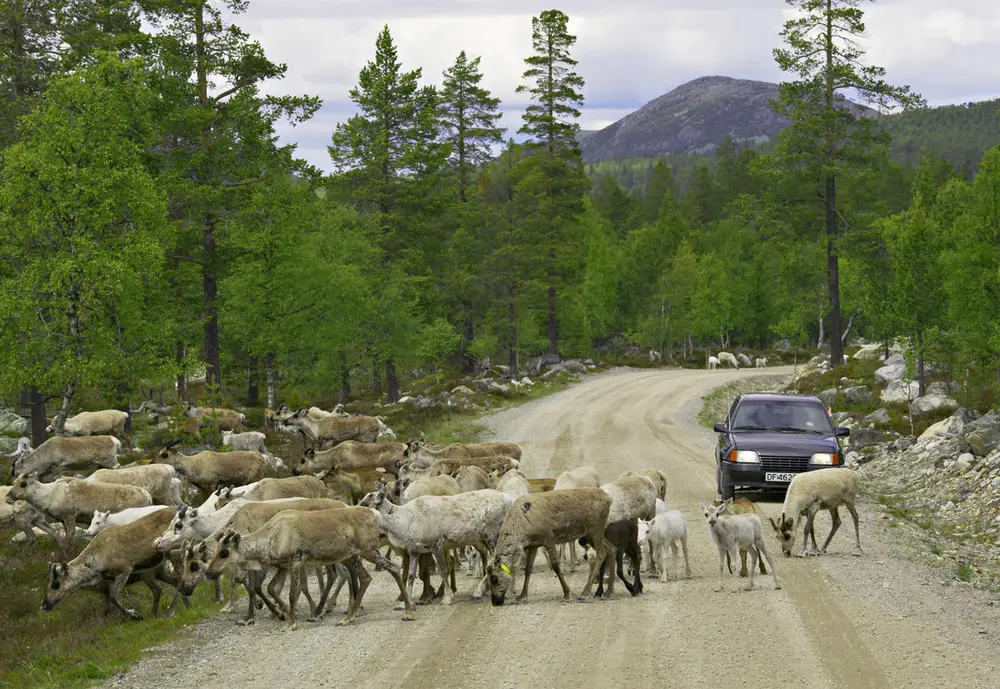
{"x":529,"y":561}
{"x":377,"y":558}
{"x":857,"y":532}
{"x":114,"y":591}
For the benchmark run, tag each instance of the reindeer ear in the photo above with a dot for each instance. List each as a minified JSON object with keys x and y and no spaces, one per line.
{"x":774,"y":524}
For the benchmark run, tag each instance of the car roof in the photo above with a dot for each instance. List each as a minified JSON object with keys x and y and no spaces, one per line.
{"x":777,"y":397}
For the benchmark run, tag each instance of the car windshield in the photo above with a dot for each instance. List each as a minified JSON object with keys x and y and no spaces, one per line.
{"x":775,"y":415}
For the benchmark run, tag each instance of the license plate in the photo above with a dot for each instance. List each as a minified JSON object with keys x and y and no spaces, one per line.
{"x":776,"y":477}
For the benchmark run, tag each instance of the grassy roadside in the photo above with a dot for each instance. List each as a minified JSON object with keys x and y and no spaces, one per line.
{"x":717,"y":402}
{"x":77,"y":646}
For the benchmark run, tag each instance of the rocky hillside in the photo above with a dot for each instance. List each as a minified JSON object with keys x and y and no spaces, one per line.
{"x":693,"y":118}
{"x":933,"y":467}
{"x":696,"y":116}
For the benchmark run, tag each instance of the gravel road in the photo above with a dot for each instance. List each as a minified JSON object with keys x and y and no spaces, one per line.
{"x":882,"y":620}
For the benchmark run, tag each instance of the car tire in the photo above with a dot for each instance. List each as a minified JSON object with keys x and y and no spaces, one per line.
{"x":727,"y":490}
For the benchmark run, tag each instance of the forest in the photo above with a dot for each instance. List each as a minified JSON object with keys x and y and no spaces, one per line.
{"x":155,"y":227}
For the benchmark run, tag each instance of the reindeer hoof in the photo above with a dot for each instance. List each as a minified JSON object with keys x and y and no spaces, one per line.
{"x":343,"y":622}
{"x":409,"y":617}
{"x":856,"y":553}
{"x":244,"y":623}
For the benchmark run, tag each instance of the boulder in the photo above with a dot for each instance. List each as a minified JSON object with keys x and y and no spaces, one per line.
{"x":928,"y":403}
{"x":878,"y":416}
{"x":861,"y":438}
{"x":537,"y":363}
{"x":12,"y":424}
{"x":983,"y":434}
{"x":574,"y":366}
{"x":893,"y":369}
{"x":938,"y":388}
{"x":858,"y":394}
{"x":461,"y":390}
{"x":898,"y":391}
{"x":829,"y":397}
{"x":869,"y":352}
{"x":946,"y":428}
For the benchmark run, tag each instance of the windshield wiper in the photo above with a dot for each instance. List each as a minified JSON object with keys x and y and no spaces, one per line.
{"x":795,"y":429}
{"x":749,"y":428}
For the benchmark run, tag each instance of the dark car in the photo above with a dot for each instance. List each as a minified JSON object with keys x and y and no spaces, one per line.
{"x":769,"y":438}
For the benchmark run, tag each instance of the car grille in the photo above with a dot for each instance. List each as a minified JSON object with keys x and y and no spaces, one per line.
{"x":784,"y":463}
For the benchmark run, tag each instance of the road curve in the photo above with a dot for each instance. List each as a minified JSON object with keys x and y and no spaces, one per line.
{"x":874,"y":621}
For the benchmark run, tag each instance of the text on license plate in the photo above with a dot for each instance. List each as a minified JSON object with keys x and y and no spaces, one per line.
{"x":778,"y":477}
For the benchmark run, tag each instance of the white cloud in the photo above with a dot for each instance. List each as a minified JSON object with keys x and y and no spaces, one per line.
{"x":629,"y":52}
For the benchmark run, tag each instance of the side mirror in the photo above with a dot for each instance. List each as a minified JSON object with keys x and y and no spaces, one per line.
{"x":841,"y":431}
{"x":721,"y":428}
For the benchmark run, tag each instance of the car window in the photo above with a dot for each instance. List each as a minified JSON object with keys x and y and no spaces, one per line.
{"x":793,"y":415}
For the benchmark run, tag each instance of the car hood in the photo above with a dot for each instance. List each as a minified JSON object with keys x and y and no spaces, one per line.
{"x":785,"y":444}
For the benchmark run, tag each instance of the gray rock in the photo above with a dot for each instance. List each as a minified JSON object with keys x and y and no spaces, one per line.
{"x":890,"y":372}
{"x":946,"y":428}
{"x":829,"y":397}
{"x":878,"y":416}
{"x":861,"y":438}
{"x":461,"y":390}
{"x":536,"y":364}
{"x":898,"y":391}
{"x":12,"y":424}
{"x":858,"y":394}
{"x":840,"y":417}
{"x":928,"y":403}
{"x":869,"y":352}
{"x":574,"y":366}
{"x":938,"y":388}
{"x":983,"y":434}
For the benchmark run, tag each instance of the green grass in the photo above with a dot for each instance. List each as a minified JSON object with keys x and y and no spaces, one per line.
{"x":936,"y":549}
{"x":963,"y":571}
{"x":75,"y":645}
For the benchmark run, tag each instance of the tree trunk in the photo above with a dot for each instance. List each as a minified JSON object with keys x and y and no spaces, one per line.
{"x":921,"y":384}
{"x":38,"y":421}
{"x":468,"y":335}
{"x":272,"y":382}
{"x":391,"y":382}
{"x":253,"y":383}
{"x":59,"y":422}
{"x":210,"y":290}
{"x":376,"y":379}
{"x":822,"y":334}
{"x":182,"y":376}
{"x":553,"y":322}
{"x":512,"y":335}
{"x":345,"y":377}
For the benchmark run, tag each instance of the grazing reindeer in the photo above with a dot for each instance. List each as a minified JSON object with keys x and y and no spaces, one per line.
{"x":732,"y":531}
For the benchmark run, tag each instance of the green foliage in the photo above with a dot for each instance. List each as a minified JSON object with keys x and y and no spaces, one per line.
{"x":469,"y":118}
{"x":83,"y":219}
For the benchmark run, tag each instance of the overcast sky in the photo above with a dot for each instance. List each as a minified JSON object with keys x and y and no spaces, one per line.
{"x":629,"y":51}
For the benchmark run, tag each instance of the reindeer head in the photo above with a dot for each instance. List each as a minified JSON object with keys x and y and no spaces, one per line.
{"x":168,"y":451}
{"x":784,"y":528}
{"x":56,"y":589}
{"x":225,"y":554}
{"x":19,"y":487}
{"x":643,"y":526}
{"x":194,"y":565}
{"x":501,"y":578}
{"x":713,"y":512}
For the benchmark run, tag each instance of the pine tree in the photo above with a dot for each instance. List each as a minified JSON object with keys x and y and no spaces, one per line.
{"x":553,"y":182}
{"x":470,"y":120}
{"x":829,"y":137}
{"x":389,"y":158}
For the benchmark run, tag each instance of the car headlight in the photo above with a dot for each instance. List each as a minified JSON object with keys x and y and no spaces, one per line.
{"x":828,"y":458}
{"x":744,"y":457}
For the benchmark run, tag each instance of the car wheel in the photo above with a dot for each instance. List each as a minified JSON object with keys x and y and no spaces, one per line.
{"x":727,"y":491}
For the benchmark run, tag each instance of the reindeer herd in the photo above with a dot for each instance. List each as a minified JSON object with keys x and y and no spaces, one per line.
{"x":313,"y":523}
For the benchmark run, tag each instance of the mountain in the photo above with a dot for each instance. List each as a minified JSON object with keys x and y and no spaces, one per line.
{"x":693,"y":118}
